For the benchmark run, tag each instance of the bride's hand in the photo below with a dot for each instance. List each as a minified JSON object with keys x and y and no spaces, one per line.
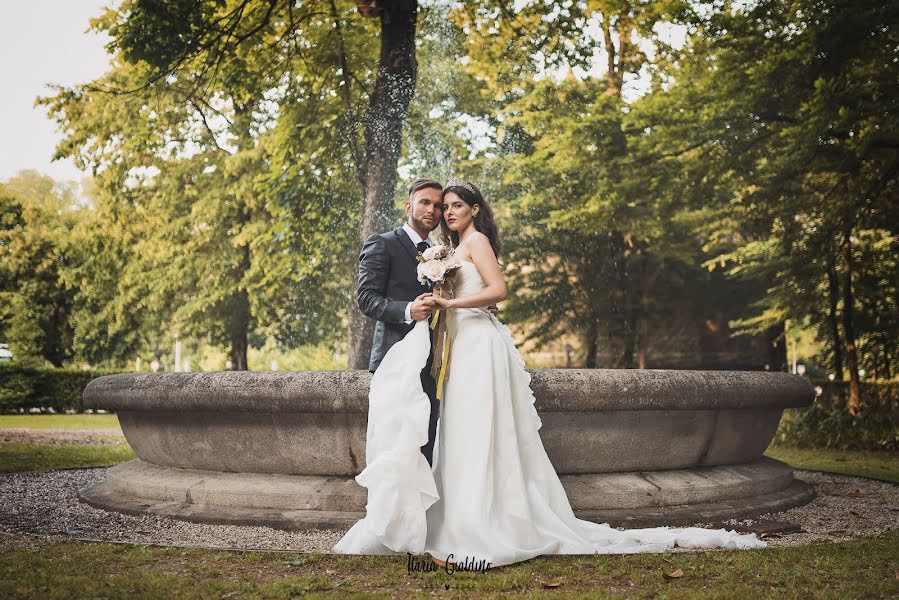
{"x":441,"y":302}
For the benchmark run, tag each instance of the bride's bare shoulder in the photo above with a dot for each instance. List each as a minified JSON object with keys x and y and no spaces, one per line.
{"x":478,"y":239}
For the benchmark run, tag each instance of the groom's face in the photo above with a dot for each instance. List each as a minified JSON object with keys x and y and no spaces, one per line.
{"x":425,"y":209}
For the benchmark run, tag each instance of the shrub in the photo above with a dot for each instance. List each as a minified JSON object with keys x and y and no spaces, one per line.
{"x":24,"y":387}
{"x":828,"y":424}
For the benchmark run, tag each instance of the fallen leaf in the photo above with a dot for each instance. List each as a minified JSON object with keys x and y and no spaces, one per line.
{"x":552,"y":584}
{"x":855,"y":494}
{"x":675,"y":574}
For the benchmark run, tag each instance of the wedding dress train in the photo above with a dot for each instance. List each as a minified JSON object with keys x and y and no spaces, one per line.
{"x":492,"y":496}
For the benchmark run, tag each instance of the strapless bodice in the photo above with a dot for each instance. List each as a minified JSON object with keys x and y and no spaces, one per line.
{"x":467,"y":280}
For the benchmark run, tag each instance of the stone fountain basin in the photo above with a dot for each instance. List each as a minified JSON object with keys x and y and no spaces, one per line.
{"x":281,"y":448}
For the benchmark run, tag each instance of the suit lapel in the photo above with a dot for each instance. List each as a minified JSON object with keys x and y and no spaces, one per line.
{"x":406,"y":241}
{"x":412,"y":251}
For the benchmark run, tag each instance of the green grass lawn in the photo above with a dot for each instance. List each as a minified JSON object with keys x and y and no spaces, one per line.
{"x":884,"y":465}
{"x":861,"y":569}
{"x":17,"y":458}
{"x":77,"y":421}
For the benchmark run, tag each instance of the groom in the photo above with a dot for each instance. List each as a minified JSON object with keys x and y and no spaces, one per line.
{"x":388,"y":289}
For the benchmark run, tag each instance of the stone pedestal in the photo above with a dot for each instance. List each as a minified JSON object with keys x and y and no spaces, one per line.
{"x":632,"y":447}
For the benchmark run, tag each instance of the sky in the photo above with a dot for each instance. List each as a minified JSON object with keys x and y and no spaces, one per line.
{"x":43,"y":42}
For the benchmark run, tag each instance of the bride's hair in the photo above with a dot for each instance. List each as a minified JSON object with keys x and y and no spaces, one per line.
{"x":483,"y":221}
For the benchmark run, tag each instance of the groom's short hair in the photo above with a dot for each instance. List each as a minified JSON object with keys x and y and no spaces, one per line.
{"x":423,"y":184}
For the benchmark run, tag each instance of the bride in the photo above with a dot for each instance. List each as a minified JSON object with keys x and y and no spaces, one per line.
{"x":492,"y":497}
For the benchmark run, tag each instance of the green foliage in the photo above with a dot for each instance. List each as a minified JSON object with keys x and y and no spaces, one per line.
{"x":231,"y":206}
{"x":791,"y":143}
{"x":827,"y":424}
{"x":24,"y":387}
{"x":36,"y":218}
{"x":717,"y":204}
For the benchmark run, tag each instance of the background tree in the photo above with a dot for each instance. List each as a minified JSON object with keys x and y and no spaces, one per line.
{"x":36,"y":216}
{"x":234,"y":90}
{"x":798,"y":138}
{"x":223,"y":57}
{"x":584,"y":194}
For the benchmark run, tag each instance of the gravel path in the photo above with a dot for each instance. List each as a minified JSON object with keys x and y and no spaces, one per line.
{"x":845,"y":508}
{"x":47,"y":504}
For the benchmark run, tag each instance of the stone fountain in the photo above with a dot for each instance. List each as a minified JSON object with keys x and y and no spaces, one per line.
{"x":632,"y":447}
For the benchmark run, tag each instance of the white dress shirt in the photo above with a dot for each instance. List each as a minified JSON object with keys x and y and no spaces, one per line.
{"x":416,"y":240}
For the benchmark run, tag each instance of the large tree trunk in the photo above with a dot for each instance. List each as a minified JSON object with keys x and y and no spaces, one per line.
{"x":833,"y":292}
{"x":848,"y":327}
{"x":394,"y":88}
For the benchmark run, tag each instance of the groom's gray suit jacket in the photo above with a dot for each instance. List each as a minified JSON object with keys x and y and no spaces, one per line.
{"x":387,"y":282}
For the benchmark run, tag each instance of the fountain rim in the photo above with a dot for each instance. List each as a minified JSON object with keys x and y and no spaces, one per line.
{"x":346,"y":391}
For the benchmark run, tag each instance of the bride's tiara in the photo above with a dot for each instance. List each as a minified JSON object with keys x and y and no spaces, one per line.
{"x":462,"y":184}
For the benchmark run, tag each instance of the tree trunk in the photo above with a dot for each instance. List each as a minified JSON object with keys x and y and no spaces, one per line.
{"x":613,"y":81}
{"x":592,"y":345}
{"x":641,"y":344}
{"x":56,"y":348}
{"x":641,"y":325}
{"x":848,"y":328}
{"x":394,"y":88}
{"x":240,"y":318}
{"x":240,"y":326}
{"x":777,"y":348}
{"x":631,"y":322}
{"x":833,"y":291}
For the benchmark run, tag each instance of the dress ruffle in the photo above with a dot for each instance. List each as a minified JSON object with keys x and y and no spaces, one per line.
{"x":520,"y":372}
{"x":398,"y":477}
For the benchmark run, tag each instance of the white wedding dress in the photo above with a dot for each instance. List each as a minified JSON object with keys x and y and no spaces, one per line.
{"x":492,"y":494}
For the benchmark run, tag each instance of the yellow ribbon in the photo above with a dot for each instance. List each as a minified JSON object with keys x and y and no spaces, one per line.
{"x":439,"y":369}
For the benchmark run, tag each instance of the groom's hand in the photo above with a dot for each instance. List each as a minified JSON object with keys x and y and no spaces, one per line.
{"x":422,"y":307}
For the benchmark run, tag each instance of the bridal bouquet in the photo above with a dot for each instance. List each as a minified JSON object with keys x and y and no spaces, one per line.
{"x":435,"y":264}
